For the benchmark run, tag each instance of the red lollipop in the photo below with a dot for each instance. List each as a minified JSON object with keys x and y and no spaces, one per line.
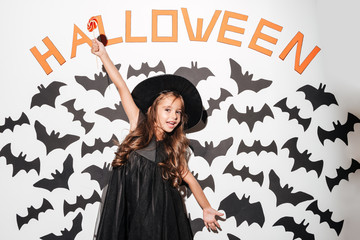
{"x":92,"y":24}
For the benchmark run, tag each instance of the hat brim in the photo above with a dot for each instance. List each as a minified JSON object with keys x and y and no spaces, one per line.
{"x":148,"y":90}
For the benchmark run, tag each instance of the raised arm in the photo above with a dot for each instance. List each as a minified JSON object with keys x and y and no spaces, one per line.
{"x":209,"y":214}
{"x":131,"y":110}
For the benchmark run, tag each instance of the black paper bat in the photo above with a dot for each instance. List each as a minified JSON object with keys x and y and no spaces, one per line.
{"x":19,"y":163}
{"x":59,"y":179}
{"x":215,"y":103}
{"x":197,"y":224}
{"x":48,"y":95}
{"x":293,"y":113}
{"x":67,"y":234}
{"x":325,"y":217}
{"x":145,"y":69}
{"x":33,"y":213}
{"x":244,"y":173}
{"x":318,"y":97}
{"x":232,"y":237}
{"x":78,"y":115}
{"x":257,"y":147}
{"x":250,"y":117}
{"x":207,"y":182}
{"x":10,"y":124}
{"x":194,"y":74}
{"x":209,"y":152}
{"x":342,"y":174}
{"x":299,"y":230}
{"x":243,"y":210}
{"x":113,"y":114}
{"x":100,"y":175}
{"x":81,"y":202}
{"x":302,"y":160}
{"x":244,"y":81}
{"x":53,"y":141}
{"x":100,"y":82}
{"x":340,"y":131}
{"x":285,"y":194}
{"x":99,"y":145}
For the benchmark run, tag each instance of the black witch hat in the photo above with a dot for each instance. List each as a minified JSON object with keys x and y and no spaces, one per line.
{"x":148,"y":90}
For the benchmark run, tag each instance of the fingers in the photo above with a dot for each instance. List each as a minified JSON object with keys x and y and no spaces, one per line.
{"x":95,"y":46}
{"x":219,"y":214}
{"x":214,"y":226}
{"x":217,"y":224}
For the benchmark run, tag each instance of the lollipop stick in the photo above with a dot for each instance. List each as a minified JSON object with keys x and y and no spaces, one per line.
{"x":97,"y":61}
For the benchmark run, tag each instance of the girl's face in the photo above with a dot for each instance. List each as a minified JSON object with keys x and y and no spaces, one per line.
{"x":168,"y":115}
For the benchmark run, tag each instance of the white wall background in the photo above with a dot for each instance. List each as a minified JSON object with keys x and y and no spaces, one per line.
{"x":331,"y":25}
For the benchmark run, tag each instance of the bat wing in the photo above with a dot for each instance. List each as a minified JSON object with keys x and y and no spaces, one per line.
{"x":302,"y":160}
{"x":19,"y":163}
{"x":284,"y":194}
{"x":343,"y":130}
{"x":231,"y":169}
{"x":53,"y":141}
{"x":113,"y":114}
{"x":33,"y":213}
{"x":243,"y":210}
{"x":78,"y":115}
{"x":232,"y":237}
{"x":342,"y":174}
{"x":299,"y":230}
{"x":101,"y":175}
{"x":234,"y":114}
{"x":244,"y":173}
{"x":340,"y":131}
{"x":99,"y":145}
{"x":67,"y":234}
{"x":48,"y":95}
{"x":325,"y":217}
{"x":145,"y":69}
{"x":293,"y":113}
{"x":10,"y":124}
{"x":318,"y":97}
{"x":209,"y":153}
{"x":194,"y":74}
{"x":197,"y":225}
{"x":59,"y":180}
{"x":99,"y":84}
{"x":257,"y":147}
{"x":253,"y":117}
{"x":215,"y":103}
{"x":244,"y":81}
{"x":81,"y":202}
{"x":207,"y":182}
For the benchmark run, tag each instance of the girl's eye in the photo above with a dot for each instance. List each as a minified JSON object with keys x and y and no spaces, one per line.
{"x":178,"y":112}
{"x":167,"y":109}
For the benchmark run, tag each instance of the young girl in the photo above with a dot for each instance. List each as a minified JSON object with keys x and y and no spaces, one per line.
{"x":142,"y":200}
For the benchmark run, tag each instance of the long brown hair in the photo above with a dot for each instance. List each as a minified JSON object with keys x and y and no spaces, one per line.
{"x":175,"y":143}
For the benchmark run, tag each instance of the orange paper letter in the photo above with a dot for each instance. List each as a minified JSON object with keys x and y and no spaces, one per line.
{"x":225,"y":27}
{"x":76,"y":42}
{"x":41,"y":58}
{"x":199,"y":26}
{"x":258,"y":34}
{"x":128,"y":37}
{"x":174,"y":36}
{"x":298,"y":39}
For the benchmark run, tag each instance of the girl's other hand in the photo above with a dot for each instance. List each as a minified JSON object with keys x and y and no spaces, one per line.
{"x":210,"y":218}
{"x":98,"y":48}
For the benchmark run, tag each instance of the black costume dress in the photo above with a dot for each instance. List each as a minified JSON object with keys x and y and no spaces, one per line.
{"x":140,"y":204}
